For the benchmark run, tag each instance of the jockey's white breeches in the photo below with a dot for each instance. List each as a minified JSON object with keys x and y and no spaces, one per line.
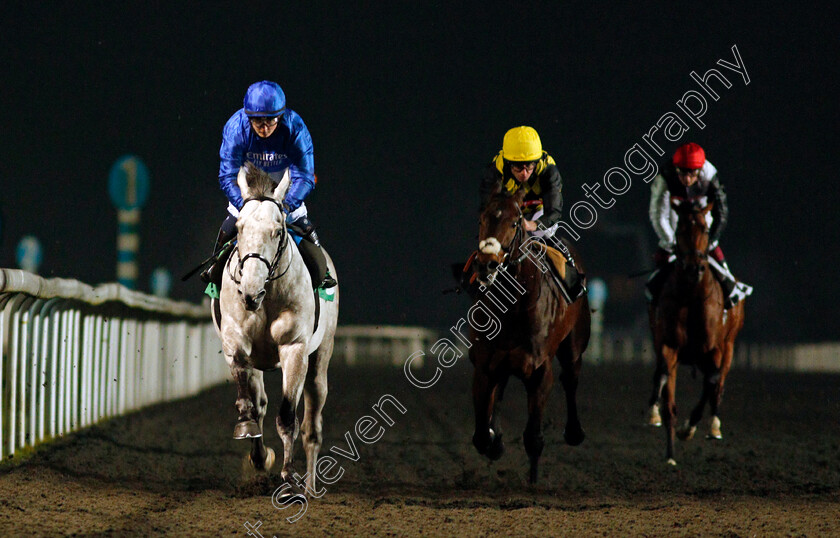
{"x":547,"y":232}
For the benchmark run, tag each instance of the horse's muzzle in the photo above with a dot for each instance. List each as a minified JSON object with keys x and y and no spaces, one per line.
{"x":487,"y":271}
{"x":252,"y":302}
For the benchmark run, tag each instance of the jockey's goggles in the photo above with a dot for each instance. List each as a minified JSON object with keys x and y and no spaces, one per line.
{"x":691,"y":172}
{"x":264,"y":122}
{"x":521,"y":167}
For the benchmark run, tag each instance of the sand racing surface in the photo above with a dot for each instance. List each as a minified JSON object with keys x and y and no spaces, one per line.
{"x":173,"y":469}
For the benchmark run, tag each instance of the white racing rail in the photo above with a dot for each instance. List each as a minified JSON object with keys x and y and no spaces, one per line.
{"x":72,"y":354}
{"x":378,"y":345}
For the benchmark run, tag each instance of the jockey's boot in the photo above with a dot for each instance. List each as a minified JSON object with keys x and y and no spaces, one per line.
{"x":731,"y":294}
{"x":313,"y":255}
{"x":213,"y":274}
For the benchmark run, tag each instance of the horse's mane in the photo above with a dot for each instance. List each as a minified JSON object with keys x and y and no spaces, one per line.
{"x":259,"y":182}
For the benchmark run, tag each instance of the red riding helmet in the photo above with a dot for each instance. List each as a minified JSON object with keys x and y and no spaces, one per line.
{"x":689,"y":156}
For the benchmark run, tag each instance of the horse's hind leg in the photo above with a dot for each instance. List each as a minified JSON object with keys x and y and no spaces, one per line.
{"x":687,"y":431}
{"x":314,"y":397}
{"x":717,"y":390}
{"x":539,"y":387}
{"x":294,"y":363}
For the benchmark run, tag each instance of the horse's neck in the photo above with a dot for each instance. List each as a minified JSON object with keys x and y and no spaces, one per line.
{"x":687,"y":291}
{"x":534,"y":282}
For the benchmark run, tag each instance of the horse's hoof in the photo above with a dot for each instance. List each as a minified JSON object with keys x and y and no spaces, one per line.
{"x":686,"y":433}
{"x":532,"y":476}
{"x":247,"y":429}
{"x":287,"y":491}
{"x":269,"y":461}
{"x":480,"y":443}
{"x":654,"y":419}
{"x":672,"y":462}
{"x":574,"y":435}
{"x":715,"y":432}
{"x":269,"y":458}
{"x":497,"y":447}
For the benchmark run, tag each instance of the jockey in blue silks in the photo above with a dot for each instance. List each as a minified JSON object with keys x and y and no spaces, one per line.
{"x":274,"y":138}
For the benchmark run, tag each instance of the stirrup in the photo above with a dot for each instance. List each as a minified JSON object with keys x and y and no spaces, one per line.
{"x":328,"y":282}
{"x":205,"y":275}
{"x":731,"y":300}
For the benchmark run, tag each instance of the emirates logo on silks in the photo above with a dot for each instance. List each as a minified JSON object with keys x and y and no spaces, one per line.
{"x":265,"y":158}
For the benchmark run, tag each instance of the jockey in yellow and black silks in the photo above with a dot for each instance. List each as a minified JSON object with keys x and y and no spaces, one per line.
{"x":522,"y":164}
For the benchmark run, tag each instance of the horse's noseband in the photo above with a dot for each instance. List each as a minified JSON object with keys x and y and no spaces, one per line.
{"x":494,"y":266}
{"x":272,"y":266}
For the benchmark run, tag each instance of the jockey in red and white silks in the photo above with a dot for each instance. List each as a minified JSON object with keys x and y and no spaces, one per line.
{"x":688,"y":176}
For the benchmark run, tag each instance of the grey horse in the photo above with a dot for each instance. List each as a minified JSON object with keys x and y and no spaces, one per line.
{"x":266,"y":319}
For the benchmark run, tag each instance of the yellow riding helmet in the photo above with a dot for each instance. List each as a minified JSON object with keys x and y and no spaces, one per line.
{"x":522,"y":144}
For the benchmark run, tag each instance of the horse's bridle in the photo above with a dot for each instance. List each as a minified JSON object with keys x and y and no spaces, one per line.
{"x":272,"y":266}
{"x":507,"y":260}
{"x":700,"y":255}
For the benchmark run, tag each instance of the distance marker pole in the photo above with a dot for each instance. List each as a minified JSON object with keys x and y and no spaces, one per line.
{"x":128,"y":244}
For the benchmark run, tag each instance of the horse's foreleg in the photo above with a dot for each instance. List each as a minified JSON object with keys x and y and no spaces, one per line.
{"x":496,"y":414}
{"x":314,"y":397}
{"x":486,"y":440}
{"x":262,"y":457}
{"x":251,"y":402}
{"x":669,"y":403}
{"x":573,"y":432}
{"x":294,"y":362}
{"x":247,"y":425}
{"x":660,"y":377}
{"x":539,"y":387}
{"x":710,"y":379}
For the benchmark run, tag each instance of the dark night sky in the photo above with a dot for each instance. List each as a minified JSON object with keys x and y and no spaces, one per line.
{"x":406,"y":103}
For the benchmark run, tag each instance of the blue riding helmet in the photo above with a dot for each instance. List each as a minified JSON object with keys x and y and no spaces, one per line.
{"x":264,"y":100}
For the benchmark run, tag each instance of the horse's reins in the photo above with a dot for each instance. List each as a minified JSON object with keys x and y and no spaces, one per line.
{"x":701,"y":255}
{"x":507,"y":260}
{"x":272,"y":266}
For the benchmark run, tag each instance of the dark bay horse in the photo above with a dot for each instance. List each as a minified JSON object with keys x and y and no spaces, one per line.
{"x":690,"y":326}
{"x":533,"y":329}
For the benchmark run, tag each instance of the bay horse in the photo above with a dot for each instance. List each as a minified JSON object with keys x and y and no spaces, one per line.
{"x":690,"y":326}
{"x":539,"y":326}
{"x":266,"y":319}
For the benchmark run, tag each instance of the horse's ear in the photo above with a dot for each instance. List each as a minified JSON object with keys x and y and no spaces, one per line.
{"x":282,"y":187}
{"x":706,"y":209}
{"x":242,"y":180}
{"x":497,"y":188}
